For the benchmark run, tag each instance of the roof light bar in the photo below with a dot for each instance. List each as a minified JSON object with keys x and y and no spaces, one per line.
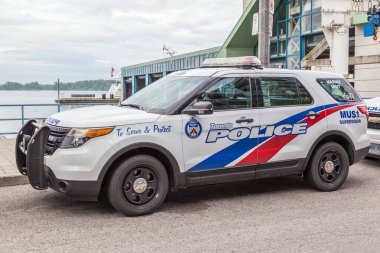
{"x":246,"y":62}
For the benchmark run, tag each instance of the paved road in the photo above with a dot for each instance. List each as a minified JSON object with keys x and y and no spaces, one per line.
{"x":267,"y":215}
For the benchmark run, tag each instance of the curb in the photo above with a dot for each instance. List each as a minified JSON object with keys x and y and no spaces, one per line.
{"x":13,"y":179}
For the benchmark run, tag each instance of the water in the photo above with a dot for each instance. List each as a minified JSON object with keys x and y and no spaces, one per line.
{"x":32,"y":97}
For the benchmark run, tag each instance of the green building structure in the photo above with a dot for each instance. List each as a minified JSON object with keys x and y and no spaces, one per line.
{"x":296,"y":31}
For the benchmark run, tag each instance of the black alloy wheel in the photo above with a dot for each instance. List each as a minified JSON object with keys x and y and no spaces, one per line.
{"x":328,"y":167}
{"x":138,"y":185}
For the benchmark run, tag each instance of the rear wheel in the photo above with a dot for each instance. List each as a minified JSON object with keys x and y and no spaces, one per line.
{"x":328,"y":168}
{"x":138,"y":186}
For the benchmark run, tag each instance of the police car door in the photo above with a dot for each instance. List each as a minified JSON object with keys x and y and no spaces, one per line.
{"x":291,"y":120}
{"x":219,"y":140}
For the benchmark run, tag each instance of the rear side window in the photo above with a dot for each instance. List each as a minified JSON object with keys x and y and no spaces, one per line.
{"x":283,"y":91}
{"x":339,"y":89}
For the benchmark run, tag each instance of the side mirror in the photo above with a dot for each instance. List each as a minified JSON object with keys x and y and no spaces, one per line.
{"x":200,"y":108}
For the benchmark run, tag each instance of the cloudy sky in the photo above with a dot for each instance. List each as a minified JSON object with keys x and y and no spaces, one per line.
{"x":42,"y":40}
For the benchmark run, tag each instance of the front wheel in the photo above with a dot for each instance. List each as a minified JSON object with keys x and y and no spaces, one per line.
{"x":138,"y":186}
{"x":328,"y":168}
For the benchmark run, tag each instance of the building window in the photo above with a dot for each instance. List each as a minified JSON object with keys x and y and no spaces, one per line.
{"x":317,"y":18}
{"x":294,"y":46}
{"x":278,"y":63}
{"x":293,"y":8}
{"x":294,"y":27}
{"x":313,"y":40}
{"x":317,"y":5}
{"x":306,"y":24}
{"x":306,"y":7}
{"x":294,"y":21}
{"x":273,"y":49}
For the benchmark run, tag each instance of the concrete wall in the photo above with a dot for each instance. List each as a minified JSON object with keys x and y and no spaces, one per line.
{"x":367,"y":76}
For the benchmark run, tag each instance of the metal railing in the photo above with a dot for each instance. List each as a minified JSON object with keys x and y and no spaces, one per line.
{"x":23,"y":118}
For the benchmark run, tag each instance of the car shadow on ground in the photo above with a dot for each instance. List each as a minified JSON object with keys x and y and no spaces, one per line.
{"x":184,"y":200}
{"x":195,"y":198}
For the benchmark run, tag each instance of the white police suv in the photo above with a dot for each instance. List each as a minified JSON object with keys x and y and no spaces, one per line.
{"x":374,"y":126}
{"x":205,"y":126}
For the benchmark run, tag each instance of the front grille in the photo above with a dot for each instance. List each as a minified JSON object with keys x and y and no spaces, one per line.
{"x":373,"y":125}
{"x":376,"y":115}
{"x":374,"y":121}
{"x":56,"y":136}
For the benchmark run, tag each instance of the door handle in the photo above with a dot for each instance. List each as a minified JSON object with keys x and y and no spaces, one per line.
{"x":313,"y":114}
{"x":244,"y":120}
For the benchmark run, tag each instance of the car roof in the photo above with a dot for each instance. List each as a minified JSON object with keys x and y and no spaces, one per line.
{"x":217,"y":72}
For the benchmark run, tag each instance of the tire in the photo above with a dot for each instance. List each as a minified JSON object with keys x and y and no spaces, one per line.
{"x":328,"y":168}
{"x":138,"y":185}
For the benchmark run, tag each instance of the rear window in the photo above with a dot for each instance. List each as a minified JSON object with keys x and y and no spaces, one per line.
{"x":340,"y":90}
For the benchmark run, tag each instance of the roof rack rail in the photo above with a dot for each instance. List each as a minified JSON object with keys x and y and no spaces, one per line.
{"x":245,"y":62}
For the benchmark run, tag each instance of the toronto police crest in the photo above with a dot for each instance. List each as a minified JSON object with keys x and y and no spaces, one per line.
{"x":193,"y":128}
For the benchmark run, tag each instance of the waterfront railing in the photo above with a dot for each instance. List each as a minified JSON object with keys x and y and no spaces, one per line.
{"x":22,"y":116}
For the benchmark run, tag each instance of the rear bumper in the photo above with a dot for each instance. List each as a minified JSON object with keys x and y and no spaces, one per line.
{"x":30,"y":154}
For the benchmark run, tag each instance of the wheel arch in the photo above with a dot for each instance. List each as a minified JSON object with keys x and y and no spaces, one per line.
{"x":157,"y":151}
{"x":333,"y":136}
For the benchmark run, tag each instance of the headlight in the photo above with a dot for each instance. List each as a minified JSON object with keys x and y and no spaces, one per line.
{"x":77,"y":137}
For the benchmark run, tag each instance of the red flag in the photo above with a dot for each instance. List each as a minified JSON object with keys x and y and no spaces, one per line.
{"x":112,"y":71}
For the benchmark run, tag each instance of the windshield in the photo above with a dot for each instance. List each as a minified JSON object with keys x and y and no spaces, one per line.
{"x":163,"y":93}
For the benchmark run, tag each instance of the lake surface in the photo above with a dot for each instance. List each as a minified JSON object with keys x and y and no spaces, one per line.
{"x":31,"y":97}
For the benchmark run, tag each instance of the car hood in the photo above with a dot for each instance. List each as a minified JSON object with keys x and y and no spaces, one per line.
{"x":101,"y":116}
{"x":373,"y":105}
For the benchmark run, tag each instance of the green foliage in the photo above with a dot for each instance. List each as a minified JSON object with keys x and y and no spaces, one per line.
{"x":88,"y":85}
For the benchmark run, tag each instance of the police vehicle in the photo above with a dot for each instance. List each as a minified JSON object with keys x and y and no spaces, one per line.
{"x":228,"y":121}
{"x":374,"y":126}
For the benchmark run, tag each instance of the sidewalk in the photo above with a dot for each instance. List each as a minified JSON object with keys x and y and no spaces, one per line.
{"x":9,"y":175}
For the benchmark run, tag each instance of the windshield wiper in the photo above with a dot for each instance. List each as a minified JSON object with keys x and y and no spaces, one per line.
{"x":133,"y":106}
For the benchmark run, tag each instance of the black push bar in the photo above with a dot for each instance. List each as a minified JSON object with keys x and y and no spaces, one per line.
{"x":30,"y":151}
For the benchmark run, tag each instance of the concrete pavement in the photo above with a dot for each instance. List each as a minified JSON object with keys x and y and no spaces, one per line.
{"x":272,"y":215}
{"x":9,"y":175}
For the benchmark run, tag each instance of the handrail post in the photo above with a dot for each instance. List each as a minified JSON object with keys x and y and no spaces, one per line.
{"x":59,"y":107}
{"x":22,"y":115}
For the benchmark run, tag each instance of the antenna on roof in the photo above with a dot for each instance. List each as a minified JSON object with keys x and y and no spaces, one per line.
{"x":168,"y":51}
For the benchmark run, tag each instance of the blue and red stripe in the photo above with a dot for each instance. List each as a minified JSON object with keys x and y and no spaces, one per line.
{"x":270,"y":146}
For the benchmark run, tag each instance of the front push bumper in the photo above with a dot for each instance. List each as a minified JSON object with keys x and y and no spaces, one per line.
{"x":30,"y":151}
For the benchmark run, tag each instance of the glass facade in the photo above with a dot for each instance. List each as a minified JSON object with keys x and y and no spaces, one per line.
{"x":296,"y":22}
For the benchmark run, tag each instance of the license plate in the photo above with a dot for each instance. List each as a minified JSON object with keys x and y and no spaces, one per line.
{"x":374,"y":148}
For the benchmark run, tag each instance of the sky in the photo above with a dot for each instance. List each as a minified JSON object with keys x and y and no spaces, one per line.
{"x":43,"y":40}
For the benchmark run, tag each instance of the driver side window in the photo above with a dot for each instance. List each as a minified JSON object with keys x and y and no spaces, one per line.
{"x":229,"y":94}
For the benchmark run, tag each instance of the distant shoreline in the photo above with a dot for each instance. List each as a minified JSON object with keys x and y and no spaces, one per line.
{"x":88,"y":85}
{"x":52,"y":90}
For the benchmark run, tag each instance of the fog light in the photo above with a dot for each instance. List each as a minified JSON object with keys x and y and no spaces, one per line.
{"x":62,"y":186}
